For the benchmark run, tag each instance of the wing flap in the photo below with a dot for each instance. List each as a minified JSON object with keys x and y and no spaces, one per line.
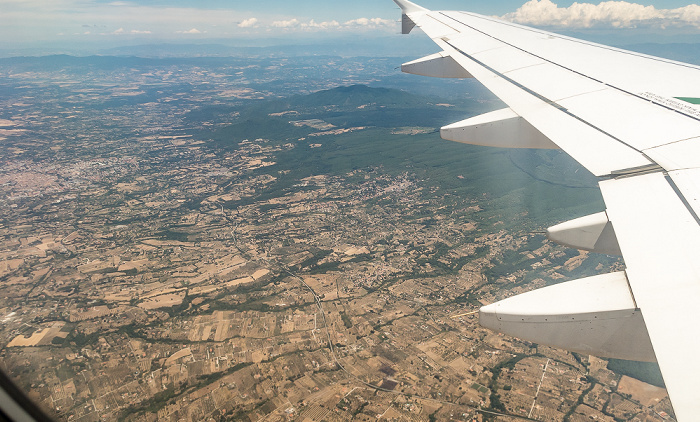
{"x":660,"y":241}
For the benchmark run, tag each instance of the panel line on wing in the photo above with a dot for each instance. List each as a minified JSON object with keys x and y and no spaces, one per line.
{"x":581,"y":94}
{"x":523,"y":67}
{"x":567,"y":68}
{"x":672,"y":142}
{"x":443,"y":23}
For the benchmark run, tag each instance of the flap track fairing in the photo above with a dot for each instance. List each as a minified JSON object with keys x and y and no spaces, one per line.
{"x":438,"y":65}
{"x":593,"y":233}
{"x":595,"y":315}
{"x":501,"y":128}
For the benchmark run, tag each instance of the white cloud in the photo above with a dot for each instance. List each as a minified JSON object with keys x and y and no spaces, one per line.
{"x":286,"y":24}
{"x":48,"y":17}
{"x":190,"y":31}
{"x":367,"y":22}
{"x":610,"y":14}
{"x":361,"y":23}
{"x":320,"y":25}
{"x":42,"y":19}
{"x":121,"y":31}
{"x":249,"y":23}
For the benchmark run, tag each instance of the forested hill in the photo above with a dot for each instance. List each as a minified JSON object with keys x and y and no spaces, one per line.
{"x":346,"y":107}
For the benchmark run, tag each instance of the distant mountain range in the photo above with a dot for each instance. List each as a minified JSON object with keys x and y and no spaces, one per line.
{"x":370,"y":47}
{"x":375,"y":47}
{"x":380,"y":46}
{"x":347,"y":98}
{"x":66,"y":61}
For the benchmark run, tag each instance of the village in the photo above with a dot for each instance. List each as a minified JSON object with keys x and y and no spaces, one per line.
{"x":160,"y":276}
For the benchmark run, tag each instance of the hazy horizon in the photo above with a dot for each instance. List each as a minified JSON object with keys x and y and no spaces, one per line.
{"x":39,"y":27}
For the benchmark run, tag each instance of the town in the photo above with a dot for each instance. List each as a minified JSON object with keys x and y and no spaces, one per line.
{"x":161,"y":261}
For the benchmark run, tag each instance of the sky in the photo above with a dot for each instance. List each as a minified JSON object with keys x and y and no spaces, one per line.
{"x":28,"y":22}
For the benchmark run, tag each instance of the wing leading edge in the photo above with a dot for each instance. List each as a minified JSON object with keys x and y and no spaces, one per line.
{"x":631,"y":120}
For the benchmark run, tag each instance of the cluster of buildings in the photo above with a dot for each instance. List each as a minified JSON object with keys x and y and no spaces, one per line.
{"x":150,"y":276}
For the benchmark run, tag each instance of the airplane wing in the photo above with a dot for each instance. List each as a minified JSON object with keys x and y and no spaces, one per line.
{"x":632,"y":120}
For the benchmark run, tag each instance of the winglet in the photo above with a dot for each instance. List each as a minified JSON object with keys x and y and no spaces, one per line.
{"x":407,"y":24}
{"x":409,"y":7}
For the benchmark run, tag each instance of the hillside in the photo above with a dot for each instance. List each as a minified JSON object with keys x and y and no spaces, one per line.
{"x":538,"y":181}
{"x":343,"y":107}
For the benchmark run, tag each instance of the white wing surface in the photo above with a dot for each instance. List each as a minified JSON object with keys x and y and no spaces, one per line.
{"x":632,"y":120}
